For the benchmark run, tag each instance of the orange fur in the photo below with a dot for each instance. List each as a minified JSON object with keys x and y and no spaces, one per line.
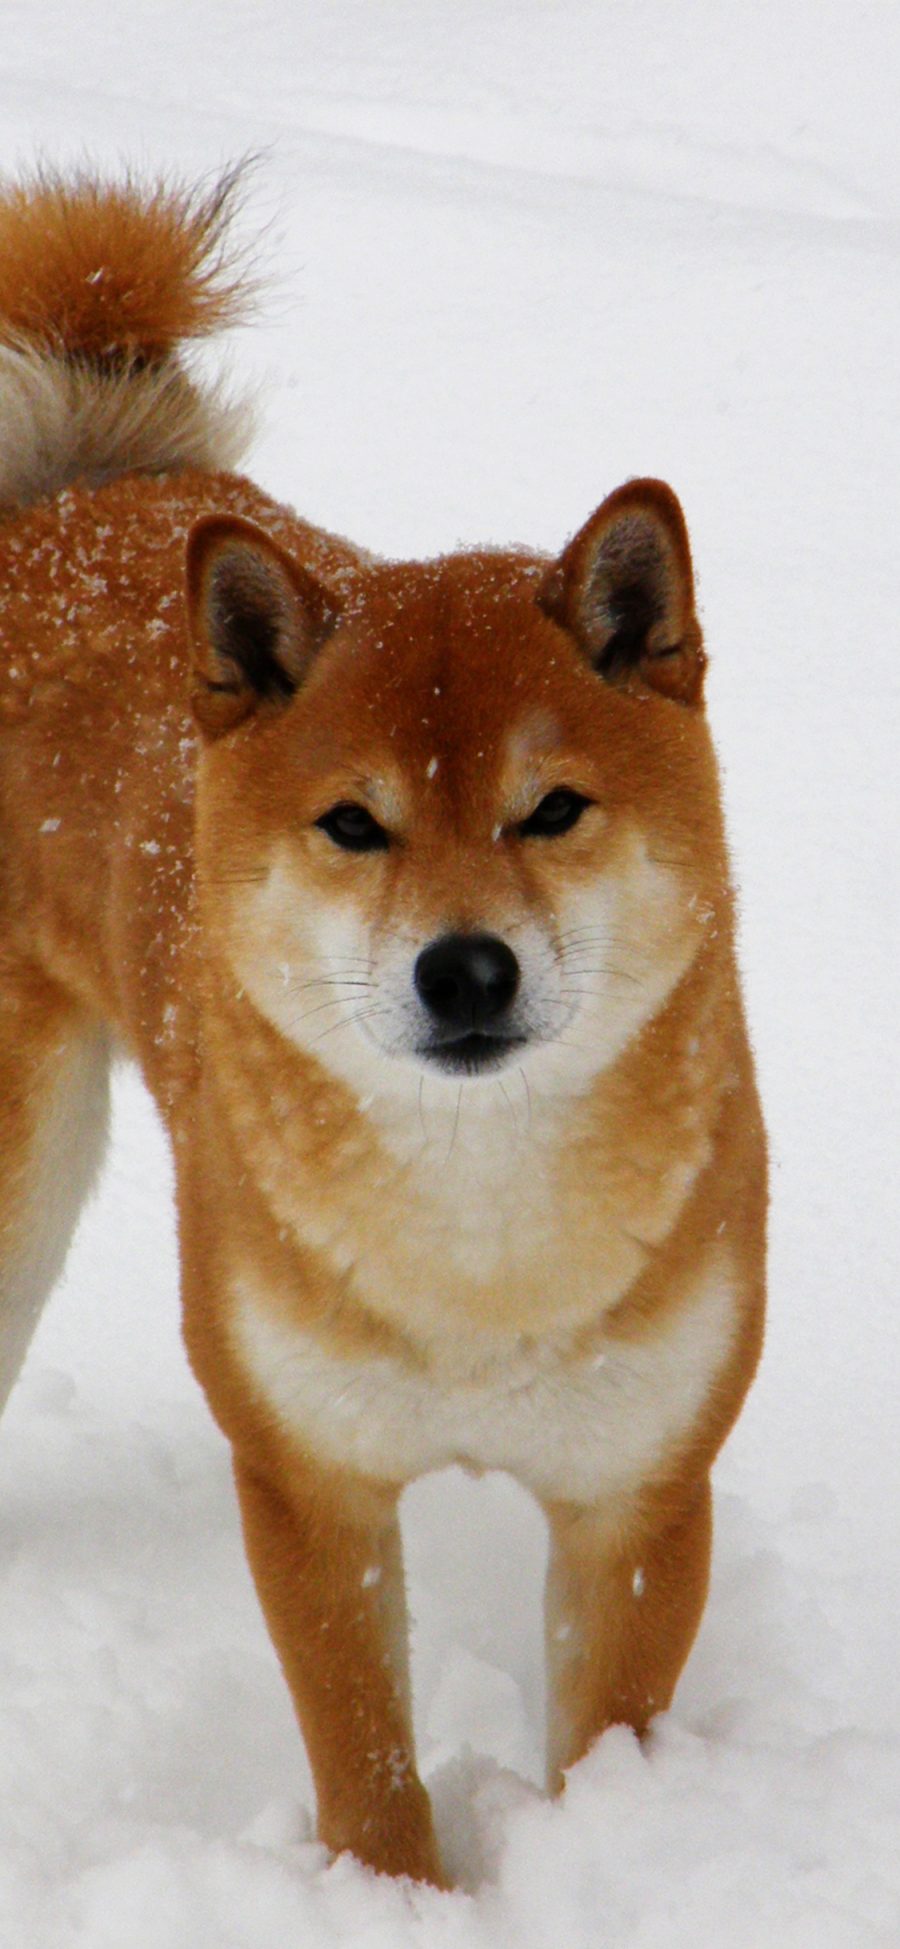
{"x":557,"y":1267}
{"x":109,"y":274}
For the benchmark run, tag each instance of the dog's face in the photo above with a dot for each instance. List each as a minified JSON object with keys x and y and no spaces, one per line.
{"x":464,"y":819}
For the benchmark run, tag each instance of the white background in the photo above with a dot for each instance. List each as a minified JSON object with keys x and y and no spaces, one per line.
{"x":517,"y":251}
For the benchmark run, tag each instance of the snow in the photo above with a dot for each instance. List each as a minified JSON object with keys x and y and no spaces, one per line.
{"x":519,"y":252}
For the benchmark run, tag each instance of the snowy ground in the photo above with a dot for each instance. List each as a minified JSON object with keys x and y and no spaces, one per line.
{"x":521,"y":251}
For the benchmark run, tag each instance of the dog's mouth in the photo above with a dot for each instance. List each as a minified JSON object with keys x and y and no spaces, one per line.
{"x":471,"y":1053}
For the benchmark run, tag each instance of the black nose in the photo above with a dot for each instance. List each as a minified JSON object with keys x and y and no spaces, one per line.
{"x":467,"y":980}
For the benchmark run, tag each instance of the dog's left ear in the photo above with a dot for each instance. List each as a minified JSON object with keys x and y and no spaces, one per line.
{"x":624,"y":588}
{"x":257,"y":619}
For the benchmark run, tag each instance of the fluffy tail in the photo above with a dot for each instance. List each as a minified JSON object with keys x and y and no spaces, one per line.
{"x":100,"y":287}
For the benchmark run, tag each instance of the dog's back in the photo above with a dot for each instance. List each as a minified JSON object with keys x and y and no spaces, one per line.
{"x":101,"y":287}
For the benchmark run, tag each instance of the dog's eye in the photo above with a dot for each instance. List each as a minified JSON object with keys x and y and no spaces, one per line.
{"x":557,"y":813}
{"x":352,"y":827}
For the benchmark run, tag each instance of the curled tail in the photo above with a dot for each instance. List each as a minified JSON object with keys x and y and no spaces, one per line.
{"x":101,"y":285}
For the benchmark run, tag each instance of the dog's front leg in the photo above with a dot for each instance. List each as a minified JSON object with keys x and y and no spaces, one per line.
{"x":624,"y":1599}
{"x":326,"y":1557}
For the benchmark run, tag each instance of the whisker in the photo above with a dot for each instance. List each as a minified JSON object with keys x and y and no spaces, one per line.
{"x":512,"y":1115}
{"x":581,"y":934}
{"x":603,"y":928}
{"x":329,"y":981}
{"x":339,"y":960}
{"x":591,"y":968}
{"x":600,"y":937}
{"x":363,"y":1015}
{"x":565,"y":1042}
{"x":455,"y":1125}
{"x":617,"y":974}
{"x":333,"y":1002}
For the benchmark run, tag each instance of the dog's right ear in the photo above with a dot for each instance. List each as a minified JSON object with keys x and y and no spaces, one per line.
{"x":256,"y":618}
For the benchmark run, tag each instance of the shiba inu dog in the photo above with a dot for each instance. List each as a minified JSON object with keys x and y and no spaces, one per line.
{"x":405,"y":883}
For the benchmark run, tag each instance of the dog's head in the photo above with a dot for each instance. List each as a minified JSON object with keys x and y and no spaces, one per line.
{"x":457,"y":815}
